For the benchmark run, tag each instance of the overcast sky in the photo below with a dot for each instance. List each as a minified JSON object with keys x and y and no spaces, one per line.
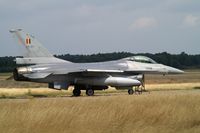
{"x":93,"y":26}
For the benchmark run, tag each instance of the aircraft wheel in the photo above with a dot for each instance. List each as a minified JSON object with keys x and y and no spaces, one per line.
{"x":90,"y":92}
{"x":130,"y":91}
{"x":77,"y":92}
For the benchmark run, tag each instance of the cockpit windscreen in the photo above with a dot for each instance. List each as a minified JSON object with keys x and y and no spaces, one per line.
{"x":141,"y":59}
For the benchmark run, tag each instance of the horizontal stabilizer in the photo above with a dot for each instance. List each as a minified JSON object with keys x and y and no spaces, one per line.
{"x":36,"y":75}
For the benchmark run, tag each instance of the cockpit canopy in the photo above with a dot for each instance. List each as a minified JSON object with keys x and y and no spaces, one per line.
{"x":141,"y":59}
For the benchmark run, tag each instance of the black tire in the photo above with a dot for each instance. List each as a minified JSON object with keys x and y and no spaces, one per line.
{"x":76,"y":92}
{"x":130,"y":91}
{"x":90,"y":92}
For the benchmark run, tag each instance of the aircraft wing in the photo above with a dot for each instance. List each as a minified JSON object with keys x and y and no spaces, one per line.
{"x":106,"y":71}
{"x":142,"y":71}
{"x":122,"y":71}
{"x":88,"y":71}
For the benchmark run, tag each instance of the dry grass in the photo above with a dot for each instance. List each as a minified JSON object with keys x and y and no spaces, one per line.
{"x":32,"y":92}
{"x":190,"y":76}
{"x":173,"y":86}
{"x":46,"y":92}
{"x":175,"y":108}
{"x":172,"y":111}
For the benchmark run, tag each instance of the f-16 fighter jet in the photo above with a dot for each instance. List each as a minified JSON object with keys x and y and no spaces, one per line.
{"x":41,"y":66}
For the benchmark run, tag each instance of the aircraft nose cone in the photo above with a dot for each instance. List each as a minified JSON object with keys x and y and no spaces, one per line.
{"x":172,"y":70}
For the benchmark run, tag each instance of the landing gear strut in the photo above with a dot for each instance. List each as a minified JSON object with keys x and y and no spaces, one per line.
{"x":143,"y":82}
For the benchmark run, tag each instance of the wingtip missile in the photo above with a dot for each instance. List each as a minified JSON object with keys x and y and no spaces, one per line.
{"x":14,"y":30}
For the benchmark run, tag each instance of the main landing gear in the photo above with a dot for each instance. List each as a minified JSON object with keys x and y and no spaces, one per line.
{"x":130,"y":91}
{"x":76,"y":92}
{"x":78,"y":88}
{"x":90,"y":92}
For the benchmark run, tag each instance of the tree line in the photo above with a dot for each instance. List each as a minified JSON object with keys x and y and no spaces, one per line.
{"x":182,"y":60}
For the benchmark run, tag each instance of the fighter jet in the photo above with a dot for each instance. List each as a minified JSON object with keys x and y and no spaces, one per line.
{"x":41,"y":66}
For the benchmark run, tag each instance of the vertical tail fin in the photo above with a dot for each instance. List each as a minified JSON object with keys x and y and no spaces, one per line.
{"x":35,"y":52}
{"x":34,"y":48}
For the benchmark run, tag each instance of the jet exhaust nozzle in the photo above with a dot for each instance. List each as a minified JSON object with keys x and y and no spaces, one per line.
{"x":24,"y":70}
{"x":19,"y":77}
